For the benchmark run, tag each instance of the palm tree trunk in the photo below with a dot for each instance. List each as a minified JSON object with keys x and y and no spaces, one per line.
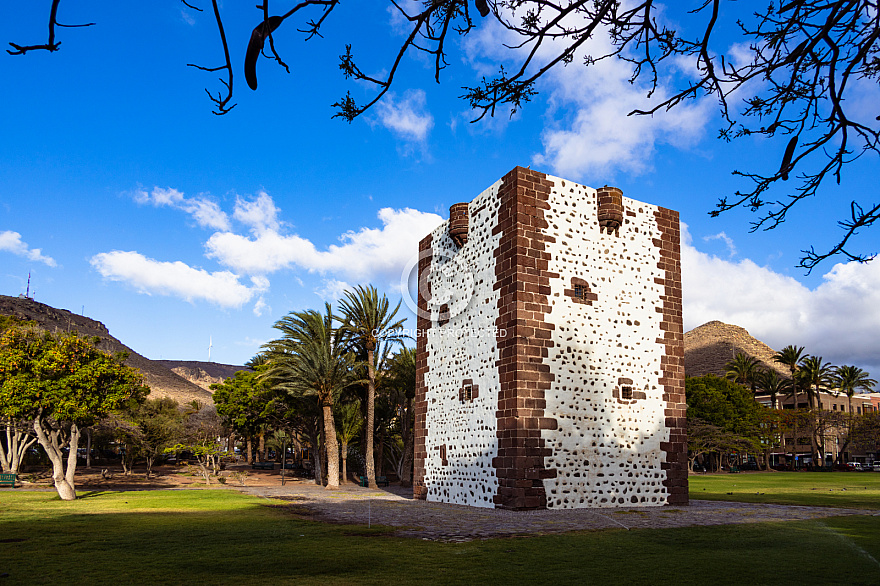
{"x":332,"y":447}
{"x":344,"y":452}
{"x":371,"y":413}
{"x":408,"y":447}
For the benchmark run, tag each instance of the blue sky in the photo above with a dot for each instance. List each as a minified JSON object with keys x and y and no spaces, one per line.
{"x":126,"y":198}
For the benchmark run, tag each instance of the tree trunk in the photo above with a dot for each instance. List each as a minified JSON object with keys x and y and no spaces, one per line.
{"x":17,"y":445}
{"x":52,"y":443}
{"x":371,"y":413}
{"x":332,"y":448}
{"x":380,"y":455}
{"x":262,"y":447}
{"x":204,"y":467}
{"x":408,"y":447}
{"x":344,"y":451}
{"x":249,"y":454}
{"x":318,"y":467}
{"x":230,"y":444}
{"x":89,"y":449}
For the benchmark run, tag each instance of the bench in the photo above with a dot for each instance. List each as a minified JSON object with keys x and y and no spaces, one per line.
{"x":7,"y":479}
{"x":380,"y":481}
{"x":263,"y":466}
{"x":734,"y":469}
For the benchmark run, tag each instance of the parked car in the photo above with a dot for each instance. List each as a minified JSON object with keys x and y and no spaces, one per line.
{"x":875,"y":466}
{"x":854,"y":466}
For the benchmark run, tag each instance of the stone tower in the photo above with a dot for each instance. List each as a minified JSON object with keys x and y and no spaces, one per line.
{"x":550,"y":351}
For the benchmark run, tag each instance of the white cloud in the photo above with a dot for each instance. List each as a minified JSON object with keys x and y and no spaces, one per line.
{"x":728,"y":241}
{"x":11,"y":242}
{"x":362,"y":254}
{"x":837,"y":320}
{"x":407,"y":118}
{"x":205,"y":212}
{"x":261,"y":307}
{"x":331,"y":290}
{"x":589,"y":133}
{"x":187,"y":17}
{"x":176,"y":279}
{"x":260,"y":214}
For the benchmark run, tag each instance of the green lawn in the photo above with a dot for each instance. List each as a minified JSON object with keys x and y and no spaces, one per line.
{"x":859,"y":490}
{"x":223,"y":537}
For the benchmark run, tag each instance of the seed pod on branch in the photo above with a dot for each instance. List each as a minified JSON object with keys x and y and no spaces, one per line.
{"x":786,"y":158}
{"x":255,"y":47}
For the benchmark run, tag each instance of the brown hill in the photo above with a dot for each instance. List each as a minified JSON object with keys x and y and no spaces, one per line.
{"x":162,"y":381}
{"x":203,"y":374}
{"x":709,"y":347}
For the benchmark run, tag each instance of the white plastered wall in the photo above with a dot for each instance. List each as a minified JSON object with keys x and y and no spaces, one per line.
{"x":606,"y":453}
{"x":463,"y":348}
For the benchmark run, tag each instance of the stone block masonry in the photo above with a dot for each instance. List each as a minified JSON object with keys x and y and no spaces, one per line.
{"x":550,"y":355}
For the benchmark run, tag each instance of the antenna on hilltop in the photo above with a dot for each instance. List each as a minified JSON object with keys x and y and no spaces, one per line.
{"x":210,"y":345}
{"x":28,"y":292}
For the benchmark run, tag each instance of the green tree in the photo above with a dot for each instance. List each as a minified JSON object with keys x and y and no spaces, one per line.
{"x":161,"y":424}
{"x":771,"y":383}
{"x":61,"y":384}
{"x":312,"y":358}
{"x":402,"y":382}
{"x":348,"y":425}
{"x":368,"y":318}
{"x":727,"y":406}
{"x":706,"y":439}
{"x":743,"y":369}
{"x":202,"y":430}
{"x":19,"y":438}
{"x":850,"y":379}
{"x":19,"y":434}
{"x":244,"y":401}
{"x":790,"y":356}
{"x":816,"y":375}
{"x":722,"y":403}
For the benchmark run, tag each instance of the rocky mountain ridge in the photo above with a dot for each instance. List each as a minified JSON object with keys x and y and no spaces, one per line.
{"x":162,"y":380}
{"x":709,"y":347}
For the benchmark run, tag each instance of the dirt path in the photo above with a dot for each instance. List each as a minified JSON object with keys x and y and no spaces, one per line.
{"x":395,"y":507}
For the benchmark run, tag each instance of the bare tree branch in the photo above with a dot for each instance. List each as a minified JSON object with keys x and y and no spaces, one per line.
{"x":221,"y":102}
{"x":50,"y":45}
{"x":806,"y":58}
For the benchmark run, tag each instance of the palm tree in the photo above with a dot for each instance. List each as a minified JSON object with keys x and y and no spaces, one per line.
{"x":790,"y":356}
{"x":849,"y":379}
{"x":816,"y":375}
{"x":743,"y":369}
{"x":368,"y":320}
{"x":402,"y":371}
{"x":260,"y":359}
{"x":349,"y":426}
{"x":312,"y":358}
{"x":771,"y":383}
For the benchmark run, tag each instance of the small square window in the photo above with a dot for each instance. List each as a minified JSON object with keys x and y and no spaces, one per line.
{"x":580,"y":291}
{"x":626,"y":393}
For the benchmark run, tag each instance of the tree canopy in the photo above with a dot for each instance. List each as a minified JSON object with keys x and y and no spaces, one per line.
{"x":724,"y":404}
{"x":61,"y":384}
{"x":788,"y":71}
